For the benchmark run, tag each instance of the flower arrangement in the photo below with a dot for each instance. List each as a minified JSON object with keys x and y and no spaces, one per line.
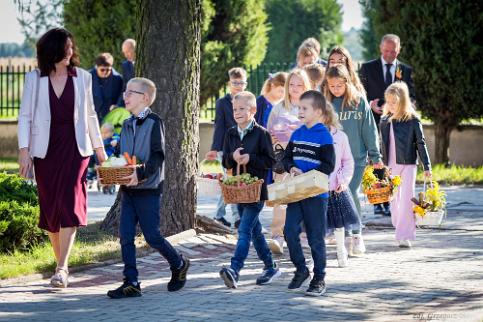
{"x":370,"y":181}
{"x":398,"y":73}
{"x":432,"y":200}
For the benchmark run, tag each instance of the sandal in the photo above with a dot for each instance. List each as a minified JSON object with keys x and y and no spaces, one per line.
{"x":60,"y":278}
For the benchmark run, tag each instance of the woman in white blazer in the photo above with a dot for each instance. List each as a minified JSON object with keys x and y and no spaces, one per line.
{"x":58,"y":131}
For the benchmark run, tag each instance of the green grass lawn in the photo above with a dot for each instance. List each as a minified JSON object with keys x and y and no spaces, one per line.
{"x":92,"y":246}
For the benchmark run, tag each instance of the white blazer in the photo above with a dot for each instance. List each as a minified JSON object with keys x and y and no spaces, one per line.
{"x":34,"y":128}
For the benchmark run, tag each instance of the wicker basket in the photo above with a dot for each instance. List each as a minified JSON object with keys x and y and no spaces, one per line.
{"x":208,"y":187}
{"x":431,"y":218}
{"x":242,"y":194}
{"x":379,"y":195}
{"x":113,"y":175}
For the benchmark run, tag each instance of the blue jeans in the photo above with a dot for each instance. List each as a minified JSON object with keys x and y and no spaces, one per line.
{"x":221,"y":211}
{"x":250,"y":229}
{"x":145,"y":210}
{"x":313,"y":212}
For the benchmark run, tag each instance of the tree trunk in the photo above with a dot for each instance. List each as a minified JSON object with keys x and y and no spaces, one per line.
{"x":168,"y":53}
{"x":442,"y":134}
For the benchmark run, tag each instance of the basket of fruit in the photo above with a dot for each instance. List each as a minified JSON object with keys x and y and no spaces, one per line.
{"x":242,"y":188}
{"x":114,"y":169}
{"x":379,"y":189}
{"x":208,"y":183}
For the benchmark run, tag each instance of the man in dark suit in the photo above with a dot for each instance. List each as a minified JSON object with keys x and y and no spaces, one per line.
{"x":127,"y":66}
{"x":376,"y":75}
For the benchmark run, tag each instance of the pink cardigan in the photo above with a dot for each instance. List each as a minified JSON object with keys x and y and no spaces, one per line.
{"x":344,"y":162}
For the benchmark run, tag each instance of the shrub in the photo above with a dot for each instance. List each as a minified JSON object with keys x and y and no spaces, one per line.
{"x":19,"y":214}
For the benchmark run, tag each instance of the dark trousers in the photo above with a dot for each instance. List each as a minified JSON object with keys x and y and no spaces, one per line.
{"x":145,"y":210}
{"x":313,"y":212}
{"x":250,"y":230}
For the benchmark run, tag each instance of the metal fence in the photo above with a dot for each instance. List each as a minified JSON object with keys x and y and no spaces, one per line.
{"x":12,"y":79}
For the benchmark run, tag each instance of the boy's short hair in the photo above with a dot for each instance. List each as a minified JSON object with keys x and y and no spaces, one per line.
{"x":108,"y":126}
{"x":312,"y":42}
{"x":318,"y":100}
{"x":247,"y":97}
{"x":104,"y":59}
{"x":315,"y":72}
{"x":147,"y":86}
{"x":237,"y":72}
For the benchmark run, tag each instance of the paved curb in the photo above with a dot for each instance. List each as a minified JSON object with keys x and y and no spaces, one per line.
{"x":174,"y":239}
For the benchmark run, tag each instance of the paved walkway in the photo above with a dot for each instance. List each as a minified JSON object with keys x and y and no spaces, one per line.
{"x":441,"y":278}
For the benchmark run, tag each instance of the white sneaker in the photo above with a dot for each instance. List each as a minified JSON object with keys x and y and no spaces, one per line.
{"x":60,"y":278}
{"x":276,"y":245}
{"x":348,"y":246}
{"x":404,"y":243}
{"x":358,"y":246}
{"x":342,"y":257}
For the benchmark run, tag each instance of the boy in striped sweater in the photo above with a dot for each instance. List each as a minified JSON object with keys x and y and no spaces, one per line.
{"x":310,"y":147}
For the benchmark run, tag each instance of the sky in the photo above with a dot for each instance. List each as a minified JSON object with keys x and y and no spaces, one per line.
{"x":10,"y":30}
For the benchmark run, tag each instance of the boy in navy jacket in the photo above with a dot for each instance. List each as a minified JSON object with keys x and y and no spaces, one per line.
{"x":249,"y":144}
{"x":310,"y":147}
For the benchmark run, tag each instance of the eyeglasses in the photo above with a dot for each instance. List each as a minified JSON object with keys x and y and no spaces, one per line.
{"x":238,"y":84}
{"x":104,"y":69}
{"x":129,"y":93}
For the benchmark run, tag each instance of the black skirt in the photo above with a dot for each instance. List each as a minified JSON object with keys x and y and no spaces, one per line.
{"x":341,"y":210}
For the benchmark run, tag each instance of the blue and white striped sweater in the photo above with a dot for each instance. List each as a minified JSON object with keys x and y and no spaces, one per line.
{"x":310,"y":149}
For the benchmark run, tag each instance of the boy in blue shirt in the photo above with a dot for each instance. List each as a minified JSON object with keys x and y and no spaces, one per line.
{"x":310,"y":147}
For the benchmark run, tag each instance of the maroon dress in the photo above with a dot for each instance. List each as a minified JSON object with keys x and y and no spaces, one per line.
{"x":61,"y":175}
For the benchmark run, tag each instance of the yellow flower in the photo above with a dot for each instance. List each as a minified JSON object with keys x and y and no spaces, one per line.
{"x":419,"y":211}
{"x":398,"y":72}
{"x":396,"y":181}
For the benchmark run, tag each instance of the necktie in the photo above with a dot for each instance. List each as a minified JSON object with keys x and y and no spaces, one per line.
{"x":388,"y":77}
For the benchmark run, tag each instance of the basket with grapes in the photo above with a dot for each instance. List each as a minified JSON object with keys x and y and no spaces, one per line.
{"x":242,"y":188}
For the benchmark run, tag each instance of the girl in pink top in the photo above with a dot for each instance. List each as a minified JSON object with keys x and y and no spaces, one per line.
{"x":341,"y":211}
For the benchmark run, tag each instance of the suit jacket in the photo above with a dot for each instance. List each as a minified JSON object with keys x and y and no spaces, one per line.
{"x":372,"y":78}
{"x":34,"y":122}
{"x":127,"y":70}
{"x":106,"y":92}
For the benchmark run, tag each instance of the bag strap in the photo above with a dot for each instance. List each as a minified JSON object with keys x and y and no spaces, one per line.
{"x":35,"y":101}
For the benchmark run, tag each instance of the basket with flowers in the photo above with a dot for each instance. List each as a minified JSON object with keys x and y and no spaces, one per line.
{"x":430,"y":205}
{"x":379,"y":189}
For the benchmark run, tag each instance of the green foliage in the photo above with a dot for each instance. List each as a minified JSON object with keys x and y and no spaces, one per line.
{"x":454,"y":175}
{"x":14,"y":188}
{"x":441,"y":40}
{"x":368,"y":35}
{"x":16,"y":50}
{"x":352,"y":41}
{"x":19,"y":214}
{"x":234,"y":33}
{"x":100,"y":26}
{"x":293,"y":21}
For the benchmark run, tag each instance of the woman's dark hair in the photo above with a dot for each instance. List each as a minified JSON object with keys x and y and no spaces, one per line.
{"x":51,"y":49}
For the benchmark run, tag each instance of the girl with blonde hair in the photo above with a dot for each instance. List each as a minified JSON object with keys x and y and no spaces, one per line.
{"x":402,"y":140}
{"x":283,"y":120}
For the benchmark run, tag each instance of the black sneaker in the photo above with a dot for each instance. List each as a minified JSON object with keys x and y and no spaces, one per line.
{"x":127,"y":289}
{"x":316,"y":287}
{"x":223,"y":221}
{"x":178,"y":276}
{"x":268,"y":275}
{"x":230,"y":277}
{"x":237,"y":224}
{"x":299,"y":278}
{"x":387,"y":209}
{"x":378,"y":210}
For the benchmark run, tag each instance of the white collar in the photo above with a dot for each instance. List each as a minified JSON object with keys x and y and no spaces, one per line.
{"x":394,"y":63}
